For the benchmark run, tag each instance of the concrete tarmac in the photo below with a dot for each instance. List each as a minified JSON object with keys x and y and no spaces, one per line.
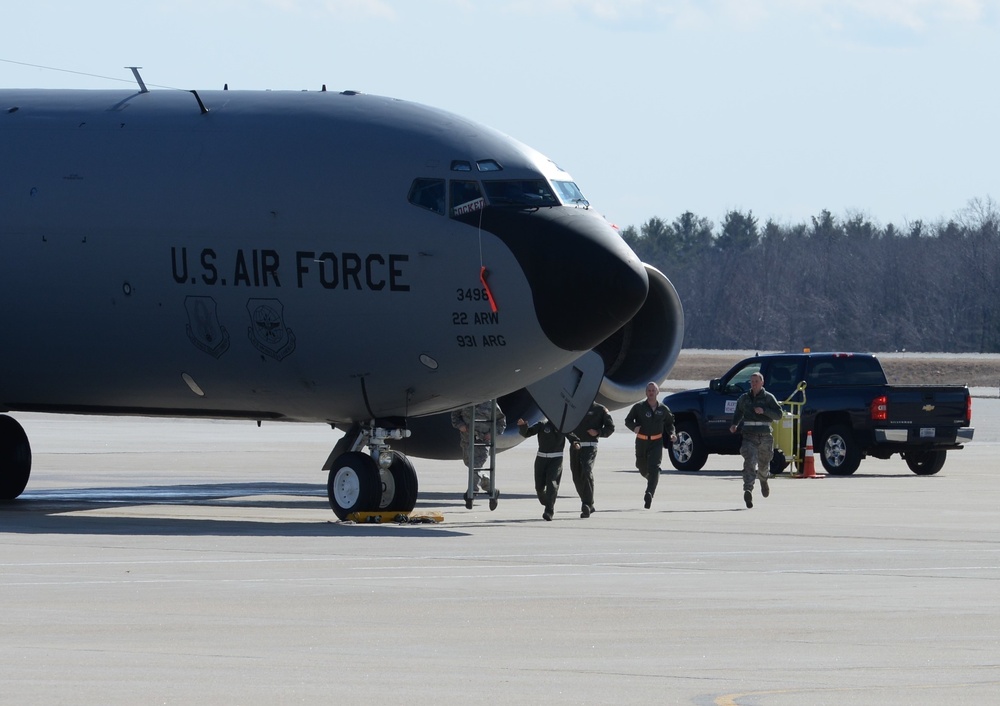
{"x":179,"y":562}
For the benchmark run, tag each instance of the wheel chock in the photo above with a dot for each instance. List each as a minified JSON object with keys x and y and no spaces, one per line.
{"x":399,"y":518}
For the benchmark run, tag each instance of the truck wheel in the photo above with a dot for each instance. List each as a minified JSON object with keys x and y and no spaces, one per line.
{"x":838,"y":451}
{"x":688,"y":452}
{"x":925,"y":463}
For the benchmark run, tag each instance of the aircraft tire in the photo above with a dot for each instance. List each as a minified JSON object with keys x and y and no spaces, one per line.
{"x":15,"y":458}
{"x":399,"y":485}
{"x":353,"y":484}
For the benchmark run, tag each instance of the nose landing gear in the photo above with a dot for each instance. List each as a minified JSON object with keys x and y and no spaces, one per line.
{"x":381,"y":480}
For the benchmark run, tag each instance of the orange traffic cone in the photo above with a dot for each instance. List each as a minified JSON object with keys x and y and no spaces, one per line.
{"x":809,"y":467}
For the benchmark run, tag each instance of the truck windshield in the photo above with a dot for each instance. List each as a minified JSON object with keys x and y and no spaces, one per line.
{"x":520,"y":192}
{"x":741,"y":378}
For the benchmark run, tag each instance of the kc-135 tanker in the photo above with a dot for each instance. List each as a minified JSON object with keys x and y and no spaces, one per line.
{"x":313,"y":256}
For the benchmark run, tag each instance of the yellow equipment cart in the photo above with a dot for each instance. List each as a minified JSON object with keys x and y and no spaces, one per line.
{"x":788,"y":433}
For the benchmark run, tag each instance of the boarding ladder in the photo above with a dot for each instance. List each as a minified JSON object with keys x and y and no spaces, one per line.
{"x":490,"y":466}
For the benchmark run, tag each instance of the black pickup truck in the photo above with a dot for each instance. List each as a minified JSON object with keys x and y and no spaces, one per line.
{"x":850,"y":408}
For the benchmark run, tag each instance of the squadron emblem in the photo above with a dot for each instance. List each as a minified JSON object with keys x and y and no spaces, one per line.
{"x":267,"y":331}
{"x":203,"y":327}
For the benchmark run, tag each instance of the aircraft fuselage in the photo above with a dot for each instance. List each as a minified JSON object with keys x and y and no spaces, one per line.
{"x":271,"y":258}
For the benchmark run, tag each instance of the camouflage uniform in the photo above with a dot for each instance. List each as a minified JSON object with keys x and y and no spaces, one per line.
{"x":480,"y":423}
{"x":758,"y":443}
{"x":583,"y":453}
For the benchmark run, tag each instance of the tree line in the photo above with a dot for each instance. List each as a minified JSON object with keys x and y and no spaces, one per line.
{"x":834,"y":283}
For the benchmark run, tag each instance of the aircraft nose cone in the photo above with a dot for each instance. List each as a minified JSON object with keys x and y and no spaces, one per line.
{"x":585,"y":281}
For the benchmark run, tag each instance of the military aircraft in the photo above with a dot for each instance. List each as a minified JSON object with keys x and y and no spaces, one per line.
{"x":313,"y":256}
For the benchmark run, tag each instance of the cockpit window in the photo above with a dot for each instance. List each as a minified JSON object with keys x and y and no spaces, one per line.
{"x":489,"y":165}
{"x":520,"y":192}
{"x":460,"y":165}
{"x":465,"y":197}
{"x":570,"y":193}
{"x":428,"y":193}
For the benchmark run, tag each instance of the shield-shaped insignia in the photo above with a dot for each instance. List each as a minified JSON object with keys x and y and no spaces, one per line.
{"x":267,"y":330}
{"x":203,"y":327}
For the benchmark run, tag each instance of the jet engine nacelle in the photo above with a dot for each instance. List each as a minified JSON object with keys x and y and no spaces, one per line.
{"x":641,"y":351}
{"x":646,"y":348}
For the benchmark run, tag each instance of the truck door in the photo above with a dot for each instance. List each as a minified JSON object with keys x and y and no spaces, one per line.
{"x":719,"y":408}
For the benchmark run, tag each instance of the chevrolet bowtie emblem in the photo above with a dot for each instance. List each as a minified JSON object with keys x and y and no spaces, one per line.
{"x":928,"y":408}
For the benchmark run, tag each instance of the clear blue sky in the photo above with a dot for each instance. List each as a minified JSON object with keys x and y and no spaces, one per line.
{"x":889,"y":108}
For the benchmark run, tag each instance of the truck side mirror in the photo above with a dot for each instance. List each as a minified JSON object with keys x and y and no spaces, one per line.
{"x":715,"y":384}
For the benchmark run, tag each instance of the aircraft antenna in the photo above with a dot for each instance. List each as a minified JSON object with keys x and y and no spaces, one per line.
{"x":138,"y":78}
{"x":201,"y":105}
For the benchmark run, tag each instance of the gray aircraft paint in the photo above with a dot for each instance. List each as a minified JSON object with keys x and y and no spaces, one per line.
{"x":254,"y":254}
{"x":140,"y":231}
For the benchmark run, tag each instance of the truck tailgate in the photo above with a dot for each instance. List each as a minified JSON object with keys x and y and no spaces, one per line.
{"x":930,"y":405}
{"x":927,"y":413}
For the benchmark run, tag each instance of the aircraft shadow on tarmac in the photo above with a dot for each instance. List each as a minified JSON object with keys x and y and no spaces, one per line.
{"x":61,"y":512}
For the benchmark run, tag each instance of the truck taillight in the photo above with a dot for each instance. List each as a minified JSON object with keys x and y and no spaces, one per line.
{"x":968,"y":409}
{"x":880,"y":408}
